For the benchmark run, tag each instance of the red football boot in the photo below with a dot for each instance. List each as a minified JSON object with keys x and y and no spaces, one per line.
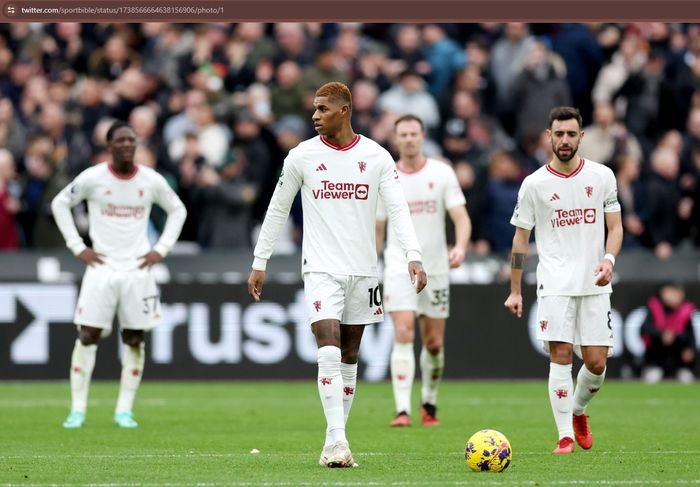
{"x":565,"y":445}
{"x":582,"y":432}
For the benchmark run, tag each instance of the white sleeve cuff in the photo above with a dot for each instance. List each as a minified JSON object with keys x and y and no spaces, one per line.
{"x":77,"y":248}
{"x":161,"y":249}
{"x":413,"y":256}
{"x":259,"y":264}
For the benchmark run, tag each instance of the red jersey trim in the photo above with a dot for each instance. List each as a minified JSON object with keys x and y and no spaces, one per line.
{"x":122,"y":176}
{"x":343,"y":148}
{"x":565,"y":176}
{"x":414,"y":171}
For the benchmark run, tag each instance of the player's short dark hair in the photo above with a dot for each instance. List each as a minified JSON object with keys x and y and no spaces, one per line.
{"x":114,"y":127}
{"x":409,"y":118}
{"x":565,"y":113}
{"x":336,"y":91}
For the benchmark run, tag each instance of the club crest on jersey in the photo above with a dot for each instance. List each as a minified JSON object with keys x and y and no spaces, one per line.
{"x":317,"y":306}
{"x":140,"y":193}
{"x":362,"y":165}
{"x":589,"y":191}
{"x":431,"y":185}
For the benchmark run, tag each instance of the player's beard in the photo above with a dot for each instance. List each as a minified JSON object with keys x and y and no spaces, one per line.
{"x":572,"y":153}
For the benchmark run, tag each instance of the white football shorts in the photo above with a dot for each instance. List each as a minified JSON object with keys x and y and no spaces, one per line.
{"x":131,"y":294}
{"x":400,"y":295}
{"x":579,"y":320}
{"x":352,"y":300}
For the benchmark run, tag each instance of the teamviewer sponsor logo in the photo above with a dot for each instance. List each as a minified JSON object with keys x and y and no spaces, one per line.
{"x":576,"y":216}
{"x":341,"y":191}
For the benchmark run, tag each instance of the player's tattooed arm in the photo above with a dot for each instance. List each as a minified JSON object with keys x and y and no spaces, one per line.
{"x":517,"y":261}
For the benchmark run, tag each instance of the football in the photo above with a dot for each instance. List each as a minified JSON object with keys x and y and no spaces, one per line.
{"x":488,"y":451}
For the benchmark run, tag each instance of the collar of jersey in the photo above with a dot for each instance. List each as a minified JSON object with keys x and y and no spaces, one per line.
{"x":337,"y":147}
{"x":561,"y":174}
{"x":123,"y":176}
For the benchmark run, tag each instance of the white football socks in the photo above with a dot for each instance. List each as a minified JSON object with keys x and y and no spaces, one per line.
{"x":133,"y":359}
{"x":330,"y":388}
{"x":587,"y":384}
{"x":403,"y":370}
{"x":349,"y":374}
{"x":431,"y":367}
{"x":561,"y":387}
{"x":81,"y":365}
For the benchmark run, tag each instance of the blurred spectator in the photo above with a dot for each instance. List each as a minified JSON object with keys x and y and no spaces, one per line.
{"x":631,"y":197}
{"x":406,"y":53}
{"x":213,"y":138}
{"x":630,"y":58}
{"x":184,"y":121}
{"x":13,"y":134}
{"x":456,"y":140}
{"x":71,"y":147}
{"x":664,"y":203}
{"x":42,"y":183}
{"x":501,"y":195}
{"x":89,"y":107}
{"x":373,"y":66}
{"x":293,"y":44}
{"x":606,"y":139}
{"x":444,"y":56}
{"x":113,"y":59}
{"x":324,"y":70}
{"x":287,"y":94}
{"x":256,"y":149}
{"x":66,"y":54}
{"x":228,"y":198}
{"x":473,"y":189}
{"x":537,"y":89}
{"x":364,"y":108}
{"x":409,"y":95}
{"x":647,"y":98}
{"x":246,"y":49}
{"x":578,"y":47}
{"x":508,"y":57}
{"x":9,"y":202}
{"x":668,"y":335}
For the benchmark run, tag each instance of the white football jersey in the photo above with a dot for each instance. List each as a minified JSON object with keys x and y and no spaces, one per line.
{"x":340,"y":188}
{"x":568,"y":214}
{"x":118,"y":211}
{"x":430,"y":191}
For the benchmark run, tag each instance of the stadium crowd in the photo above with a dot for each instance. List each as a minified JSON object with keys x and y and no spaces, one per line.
{"x":216,"y":107}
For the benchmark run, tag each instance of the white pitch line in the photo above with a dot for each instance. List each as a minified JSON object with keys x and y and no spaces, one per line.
{"x":372,"y":484}
{"x":358,"y":454}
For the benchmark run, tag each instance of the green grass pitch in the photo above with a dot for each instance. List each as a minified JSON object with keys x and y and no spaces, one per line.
{"x":202,"y":433}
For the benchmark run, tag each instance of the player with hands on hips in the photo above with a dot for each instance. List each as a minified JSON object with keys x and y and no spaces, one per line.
{"x":118,"y":278}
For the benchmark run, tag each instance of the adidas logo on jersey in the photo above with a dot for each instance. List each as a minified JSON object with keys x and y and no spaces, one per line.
{"x":554,"y":197}
{"x":322,"y":167}
{"x":378,"y":312}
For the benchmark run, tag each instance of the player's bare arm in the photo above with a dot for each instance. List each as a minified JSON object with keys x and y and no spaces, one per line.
{"x":604,"y":270}
{"x":418,"y":276}
{"x":463,"y":231}
{"x":149,"y":259}
{"x":90,"y":257}
{"x":255,"y":284}
{"x":514,"y":302}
